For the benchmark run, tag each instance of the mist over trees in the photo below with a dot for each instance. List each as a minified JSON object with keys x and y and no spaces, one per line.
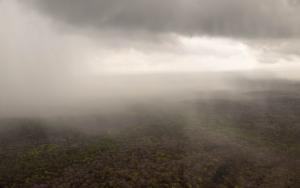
{"x":149,"y":94}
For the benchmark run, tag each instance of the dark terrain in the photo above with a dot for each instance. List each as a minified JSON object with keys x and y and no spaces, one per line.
{"x":252,"y":140}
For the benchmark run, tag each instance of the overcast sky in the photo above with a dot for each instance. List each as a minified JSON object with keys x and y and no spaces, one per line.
{"x":147,"y":36}
{"x":48,"y":44}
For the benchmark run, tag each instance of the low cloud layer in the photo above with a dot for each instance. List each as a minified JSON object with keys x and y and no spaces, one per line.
{"x":57,"y":54}
{"x":226,"y":18}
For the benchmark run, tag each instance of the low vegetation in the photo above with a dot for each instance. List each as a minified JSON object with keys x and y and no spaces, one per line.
{"x":220,"y":143}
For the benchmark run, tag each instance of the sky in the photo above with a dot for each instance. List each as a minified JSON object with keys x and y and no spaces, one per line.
{"x":50,"y":46}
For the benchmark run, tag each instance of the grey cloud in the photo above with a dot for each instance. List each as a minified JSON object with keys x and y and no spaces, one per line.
{"x":277,"y":49}
{"x":229,"y":18}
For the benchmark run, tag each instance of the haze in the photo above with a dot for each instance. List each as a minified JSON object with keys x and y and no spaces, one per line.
{"x":149,"y":93}
{"x":57,"y":52}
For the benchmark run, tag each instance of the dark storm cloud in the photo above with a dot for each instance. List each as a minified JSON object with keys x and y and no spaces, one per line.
{"x":229,"y":18}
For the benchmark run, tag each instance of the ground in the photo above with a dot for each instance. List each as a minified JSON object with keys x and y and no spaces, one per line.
{"x":252,"y":142}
